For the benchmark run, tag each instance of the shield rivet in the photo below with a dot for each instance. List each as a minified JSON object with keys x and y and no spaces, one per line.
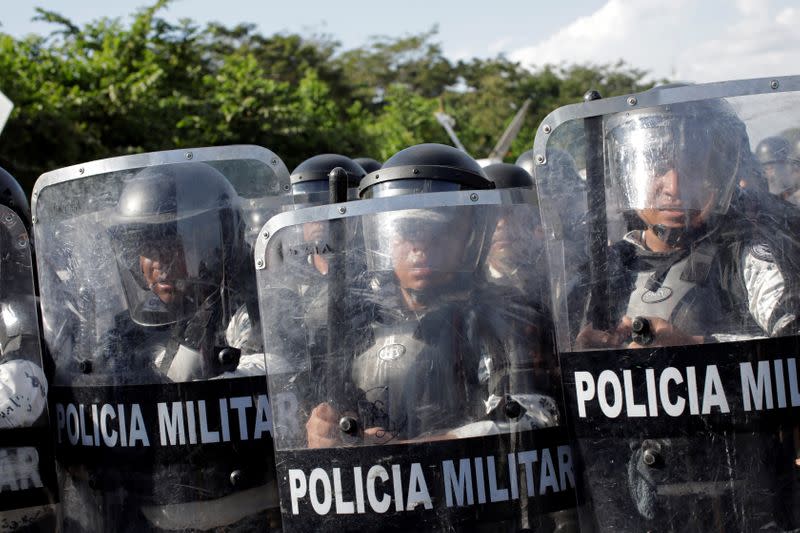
{"x":260,"y":263}
{"x":546,"y":128}
{"x":342,"y":210}
{"x":774,"y":84}
{"x":473,"y":197}
{"x":189,"y":155}
{"x":348,"y":425}
{"x":632,"y":100}
{"x":540,"y":159}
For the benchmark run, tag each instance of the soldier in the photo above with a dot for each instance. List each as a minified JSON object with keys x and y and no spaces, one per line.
{"x":779,"y":166}
{"x":684,"y":222}
{"x":158,"y":274}
{"x":421,"y":347}
{"x":517,"y":258}
{"x":705,"y":272}
{"x":27,"y":483}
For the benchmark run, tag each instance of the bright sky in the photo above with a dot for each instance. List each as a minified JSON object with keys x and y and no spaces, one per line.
{"x":688,"y":40}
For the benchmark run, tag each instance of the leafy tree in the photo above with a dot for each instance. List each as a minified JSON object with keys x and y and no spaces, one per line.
{"x":110,"y":88}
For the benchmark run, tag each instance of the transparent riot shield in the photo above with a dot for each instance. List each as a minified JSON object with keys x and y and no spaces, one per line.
{"x":675,"y":303}
{"x":148,"y":296}
{"x":412,"y":381}
{"x":262,"y":181}
{"x":28,"y":490}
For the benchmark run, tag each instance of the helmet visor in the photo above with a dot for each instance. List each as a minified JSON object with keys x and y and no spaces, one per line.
{"x":169,"y":269}
{"x":672,"y":163}
{"x":428,"y":244}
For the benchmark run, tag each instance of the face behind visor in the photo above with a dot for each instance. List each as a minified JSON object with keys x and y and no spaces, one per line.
{"x":675,"y":166}
{"x":175,"y":232}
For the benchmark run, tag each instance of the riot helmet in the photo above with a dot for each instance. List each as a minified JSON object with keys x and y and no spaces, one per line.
{"x":424,"y":168}
{"x":368,"y":164}
{"x":525,"y":160}
{"x":17,"y":317}
{"x":518,"y":239}
{"x":508,"y":176}
{"x":426,"y":250}
{"x":176,"y":233}
{"x":778,"y":165}
{"x":13,"y":197}
{"x":676,"y":166}
{"x":310,"y":178}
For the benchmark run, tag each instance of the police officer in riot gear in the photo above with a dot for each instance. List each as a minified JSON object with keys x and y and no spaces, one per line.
{"x":691,"y":242}
{"x":311,"y":176}
{"x":310,"y":186}
{"x":695,"y":270}
{"x":418,"y":283}
{"x":517,"y":257}
{"x":420,"y":351}
{"x":779,"y":165}
{"x":13,"y":197}
{"x":177,"y":237}
{"x":26,"y":463}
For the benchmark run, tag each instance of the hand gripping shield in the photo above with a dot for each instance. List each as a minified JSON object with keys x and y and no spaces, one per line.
{"x":411,"y":386}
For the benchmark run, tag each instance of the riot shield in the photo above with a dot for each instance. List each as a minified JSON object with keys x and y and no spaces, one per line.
{"x":410,"y":389}
{"x":260,"y":178}
{"x":148,"y":296}
{"x":677,"y":331}
{"x":28,"y":490}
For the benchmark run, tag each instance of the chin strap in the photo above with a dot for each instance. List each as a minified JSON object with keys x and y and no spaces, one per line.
{"x":680,"y":236}
{"x":670,"y":236}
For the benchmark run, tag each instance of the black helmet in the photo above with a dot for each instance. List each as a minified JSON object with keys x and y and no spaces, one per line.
{"x":778,"y":164}
{"x":311,"y":176}
{"x":424,"y":168}
{"x":17,"y":306}
{"x":773,"y":150}
{"x":185,"y":218}
{"x":13,"y":197}
{"x":525,"y":160}
{"x":368,"y":164}
{"x":793,"y":136}
{"x":508,"y":176}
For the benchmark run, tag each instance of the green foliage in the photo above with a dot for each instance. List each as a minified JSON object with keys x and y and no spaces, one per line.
{"x":111,"y":88}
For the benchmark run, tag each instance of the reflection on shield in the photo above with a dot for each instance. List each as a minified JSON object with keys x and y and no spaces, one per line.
{"x":675,"y":319}
{"x":415,"y":358}
{"x":27,"y":466}
{"x":147,"y":290}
